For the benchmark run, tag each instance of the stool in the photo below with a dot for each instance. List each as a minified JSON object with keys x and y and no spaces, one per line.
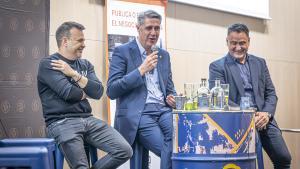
{"x":91,"y":153}
{"x":33,"y":142}
{"x":56,"y":158}
{"x":33,"y":157}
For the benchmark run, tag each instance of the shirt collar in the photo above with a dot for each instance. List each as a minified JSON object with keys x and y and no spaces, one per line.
{"x":65,"y":59}
{"x":236,"y":61}
{"x":141,"y":48}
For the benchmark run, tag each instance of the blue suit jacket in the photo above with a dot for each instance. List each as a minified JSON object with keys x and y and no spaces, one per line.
{"x":227,"y":71}
{"x":126,"y":84}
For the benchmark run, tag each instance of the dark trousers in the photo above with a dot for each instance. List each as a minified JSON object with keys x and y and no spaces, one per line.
{"x":274,"y":145}
{"x":155,"y":132}
{"x":71,"y":134}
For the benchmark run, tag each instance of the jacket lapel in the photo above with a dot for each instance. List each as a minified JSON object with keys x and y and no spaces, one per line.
{"x":254,"y":74}
{"x":160,"y":72}
{"x":135,"y":53}
{"x":235,"y":72}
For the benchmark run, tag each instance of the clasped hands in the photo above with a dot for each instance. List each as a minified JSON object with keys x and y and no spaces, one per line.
{"x":261,"y":120}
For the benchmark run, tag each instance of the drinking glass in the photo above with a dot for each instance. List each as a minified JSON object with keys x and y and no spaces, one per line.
{"x":188,"y":92}
{"x":179,"y":100}
{"x":245,"y":103}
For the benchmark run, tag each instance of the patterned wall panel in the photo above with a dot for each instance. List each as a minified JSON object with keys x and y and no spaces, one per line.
{"x":24,"y":28}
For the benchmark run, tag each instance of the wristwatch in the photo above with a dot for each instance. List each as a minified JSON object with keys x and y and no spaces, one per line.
{"x":269,"y":115}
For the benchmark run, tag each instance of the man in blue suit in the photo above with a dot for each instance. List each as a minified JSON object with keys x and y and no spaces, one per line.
{"x":140,"y":78}
{"x":248,"y":75}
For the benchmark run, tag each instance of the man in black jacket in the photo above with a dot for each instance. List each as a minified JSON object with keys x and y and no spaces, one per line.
{"x":248,"y":76}
{"x":64,"y":83}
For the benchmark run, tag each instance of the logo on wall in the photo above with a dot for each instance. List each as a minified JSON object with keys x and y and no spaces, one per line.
{"x":13,"y":132}
{"x":29,"y":25}
{"x":5,"y":106}
{"x":28,"y":79}
{"x":20,"y":107}
{"x":35,"y":106}
{"x":42,"y":131}
{"x":13,"y":24}
{"x":35,"y":52}
{"x":12,"y":78}
{"x":28,"y":131}
{"x":21,"y":52}
{"x":5,"y":51}
{"x":42,"y":26}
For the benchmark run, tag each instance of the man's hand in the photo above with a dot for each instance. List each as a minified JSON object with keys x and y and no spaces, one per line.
{"x":261,"y":120}
{"x":64,"y":68}
{"x":171,"y":101}
{"x":149,"y":63}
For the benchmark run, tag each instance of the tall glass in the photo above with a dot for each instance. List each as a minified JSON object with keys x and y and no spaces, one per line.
{"x":188,"y":92}
{"x":196,"y":86}
{"x":225,"y":88}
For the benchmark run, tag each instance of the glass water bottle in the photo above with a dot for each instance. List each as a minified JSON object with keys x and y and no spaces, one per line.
{"x":217,"y":96}
{"x":203,"y":95}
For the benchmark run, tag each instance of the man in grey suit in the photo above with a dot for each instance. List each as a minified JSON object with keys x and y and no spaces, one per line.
{"x":140,"y":79}
{"x":248,"y":75}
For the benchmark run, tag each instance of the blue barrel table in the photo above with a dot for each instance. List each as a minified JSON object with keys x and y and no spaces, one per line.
{"x":213,"y":140}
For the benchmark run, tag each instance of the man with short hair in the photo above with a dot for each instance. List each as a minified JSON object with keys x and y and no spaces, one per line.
{"x":248,"y":76}
{"x":64,"y":83}
{"x":140,"y":79}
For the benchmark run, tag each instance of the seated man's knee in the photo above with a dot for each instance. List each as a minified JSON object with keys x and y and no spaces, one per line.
{"x":124,"y":152}
{"x":285,"y":158}
{"x":282,"y":159}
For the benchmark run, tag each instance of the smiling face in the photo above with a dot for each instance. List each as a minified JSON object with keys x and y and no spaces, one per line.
{"x":149,"y":32}
{"x":74,"y":45}
{"x":238,"y":44}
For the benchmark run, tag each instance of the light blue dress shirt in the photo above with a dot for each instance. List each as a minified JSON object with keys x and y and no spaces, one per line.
{"x":155,"y":95}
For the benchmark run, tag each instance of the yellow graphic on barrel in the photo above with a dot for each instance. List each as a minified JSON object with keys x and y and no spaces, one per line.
{"x":231,"y":166}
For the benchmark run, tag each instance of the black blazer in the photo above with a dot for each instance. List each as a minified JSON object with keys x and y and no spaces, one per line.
{"x":227,"y":71}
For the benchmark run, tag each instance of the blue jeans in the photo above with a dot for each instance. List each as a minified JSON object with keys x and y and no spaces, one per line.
{"x":155,"y":132}
{"x":71,"y":134}
{"x":274,"y":145}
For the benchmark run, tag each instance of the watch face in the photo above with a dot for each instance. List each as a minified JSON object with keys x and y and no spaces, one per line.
{"x":269,"y":115}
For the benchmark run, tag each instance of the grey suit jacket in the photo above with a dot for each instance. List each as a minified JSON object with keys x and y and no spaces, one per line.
{"x":126,"y":84}
{"x":227,"y":71}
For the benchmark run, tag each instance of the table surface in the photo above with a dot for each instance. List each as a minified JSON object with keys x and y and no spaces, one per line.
{"x":212,"y":111}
